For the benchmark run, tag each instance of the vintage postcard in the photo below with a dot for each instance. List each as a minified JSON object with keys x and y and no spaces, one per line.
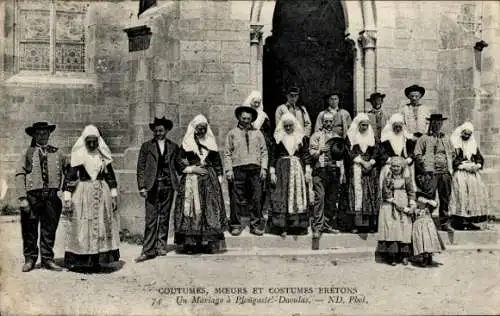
{"x":249,"y":157}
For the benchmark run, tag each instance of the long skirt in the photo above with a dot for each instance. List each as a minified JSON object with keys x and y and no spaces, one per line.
{"x":425,"y":236}
{"x":200,"y":215}
{"x":469,"y":197}
{"x":93,"y":229}
{"x":364,"y":197}
{"x":289,"y":198}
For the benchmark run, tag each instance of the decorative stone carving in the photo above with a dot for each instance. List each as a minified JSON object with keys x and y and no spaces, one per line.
{"x":256,"y":34}
{"x":368,"y":39}
{"x":139,"y":38}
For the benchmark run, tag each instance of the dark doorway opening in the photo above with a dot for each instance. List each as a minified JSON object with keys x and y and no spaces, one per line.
{"x":308,"y":48}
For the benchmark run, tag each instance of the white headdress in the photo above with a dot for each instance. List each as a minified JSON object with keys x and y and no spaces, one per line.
{"x":362,"y":139}
{"x":469,"y":147}
{"x":397,"y":141}
{"x":208,"y":141}
{"x":79,"y":152}
{"x":261,"y":115}
{"x":291,"y":141}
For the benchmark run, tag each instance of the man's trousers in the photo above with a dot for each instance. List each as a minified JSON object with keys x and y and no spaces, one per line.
{"x":46,"y":208}
{"x":246,"y":197}
{"x":158,"y":205}
{"x":326,"y":183}
{"x":430,"y":183}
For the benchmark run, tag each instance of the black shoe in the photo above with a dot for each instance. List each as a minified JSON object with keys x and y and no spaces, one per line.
{"x":142,"y":258}
{"x":236,"y":232}
{"x":257,"y":232}
{"x":51,"y":265}
{"x":29,"y":265}
{"x":405,"y":261}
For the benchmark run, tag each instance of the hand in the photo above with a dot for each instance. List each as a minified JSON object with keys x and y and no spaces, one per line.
{"x":24,"y":205}
{"x":342,"y":179}
{"x":274,"y":179}
{"x":114,"y":203}
{"x":200,"y":171}
{"x":321,"y":159}
{"x":143,"y":193}
{"x":409,"y":161}
{"x":263,"y":174}
{"x":230,"y":176}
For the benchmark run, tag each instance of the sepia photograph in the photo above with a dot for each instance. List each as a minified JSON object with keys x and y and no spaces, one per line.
{"x":249,"y":157}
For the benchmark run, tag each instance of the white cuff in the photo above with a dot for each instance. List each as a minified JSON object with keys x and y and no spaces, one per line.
{"x":188,"y":170}
{"x":272,"y":170}
{"x":220,"y":179}
{"x":67,"y":195}
{"x":114,"y":192}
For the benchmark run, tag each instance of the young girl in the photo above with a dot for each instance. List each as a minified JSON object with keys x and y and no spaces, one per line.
{"x":425,"y":237}
{"x":394,"y":221}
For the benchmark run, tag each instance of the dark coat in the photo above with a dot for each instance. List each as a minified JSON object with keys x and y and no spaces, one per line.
{"x":147,"y":164}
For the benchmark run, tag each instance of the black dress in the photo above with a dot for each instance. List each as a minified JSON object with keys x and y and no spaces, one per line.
{"x":205,"y":224}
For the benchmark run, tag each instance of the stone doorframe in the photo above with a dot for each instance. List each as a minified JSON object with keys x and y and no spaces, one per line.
{"x":360,"y":19}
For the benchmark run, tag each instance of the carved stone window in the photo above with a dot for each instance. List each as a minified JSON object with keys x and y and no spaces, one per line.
{"x":51,"y":35}
{"x":470,"y":17}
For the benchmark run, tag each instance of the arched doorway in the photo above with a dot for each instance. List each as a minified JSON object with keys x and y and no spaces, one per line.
{"x":308,"y":48}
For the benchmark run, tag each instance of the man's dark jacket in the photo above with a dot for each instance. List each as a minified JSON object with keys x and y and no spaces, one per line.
{"x":147,"y":164}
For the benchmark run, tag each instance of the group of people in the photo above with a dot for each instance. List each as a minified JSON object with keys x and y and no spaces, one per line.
{"x":369,"y":174}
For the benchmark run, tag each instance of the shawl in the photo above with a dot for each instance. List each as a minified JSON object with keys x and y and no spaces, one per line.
{"x":364,"y":140}
{"x":293,"y":140}
{"x":469,"y":147}
{"x":261,"y":115}
{"x":190,"y":141}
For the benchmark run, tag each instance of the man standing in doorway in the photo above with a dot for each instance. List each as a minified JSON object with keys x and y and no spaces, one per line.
{"x":40,"y":177}
{"x":376,"y":114}
{"x":298,"y":111}
{"x":415,"y":113}
{"x":245,"y":162}
{"x":341,"y":118}
{"x":433,"y":166}
{"x":157,"y":180}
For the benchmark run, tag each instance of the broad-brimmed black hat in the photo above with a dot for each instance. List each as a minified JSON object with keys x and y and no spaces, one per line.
{"x":436,"y":117}
{"x":38,"y":126}
{"x":161,"y":121}
{"x":337,"y":147}
{"x":414,"y":87}
{"x":374,"y":96}
{"x":246,"y":109}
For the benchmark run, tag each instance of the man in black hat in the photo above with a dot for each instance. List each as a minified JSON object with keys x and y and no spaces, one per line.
{"x":433,"y":166}
{"x":376,"y":114}
{"x":415,"y":113}
{"x":328,"y":174}
{"x":40,"y":177}
{"x":299,"y":111}
{"x":341,"y":118}
{"x":157,"y":180}
{"x":245,"y":163}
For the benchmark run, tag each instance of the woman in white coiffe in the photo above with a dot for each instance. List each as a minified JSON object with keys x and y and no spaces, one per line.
{"x":469,"y":195}
{"x":291,"y":178}
{"x":90,"y":204}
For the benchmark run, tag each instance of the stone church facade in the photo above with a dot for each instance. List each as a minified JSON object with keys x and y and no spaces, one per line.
{"x":68,"y":62}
